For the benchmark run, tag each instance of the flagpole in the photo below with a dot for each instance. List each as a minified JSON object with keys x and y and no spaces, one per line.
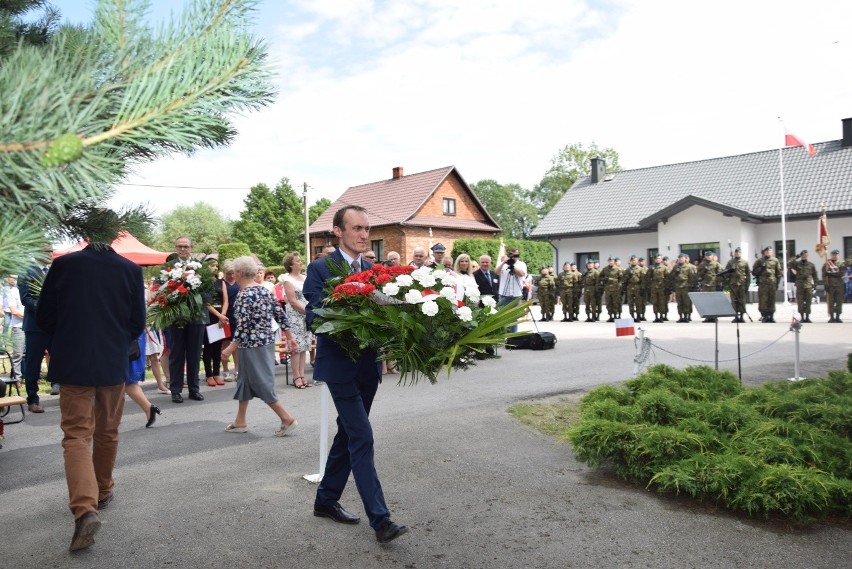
{"x":783,"y":209}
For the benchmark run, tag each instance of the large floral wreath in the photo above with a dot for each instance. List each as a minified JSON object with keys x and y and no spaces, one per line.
{"x":422,"y":319}
{"x":186,"y":289}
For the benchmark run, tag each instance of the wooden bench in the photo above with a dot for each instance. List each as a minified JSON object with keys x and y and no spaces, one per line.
{"x":6,"y":404}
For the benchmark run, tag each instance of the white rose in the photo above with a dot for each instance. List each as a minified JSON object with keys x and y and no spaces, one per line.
{"x":428,"y":281}
{"x":390,"y":289}
{"x":430,"y":308}
{"x":465,"y":314}
{"x":449,"y":293}
{"x":413,"y":296}
{"x":404,"y":280}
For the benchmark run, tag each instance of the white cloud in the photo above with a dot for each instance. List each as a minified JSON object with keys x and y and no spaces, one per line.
{"x":497,"y":88}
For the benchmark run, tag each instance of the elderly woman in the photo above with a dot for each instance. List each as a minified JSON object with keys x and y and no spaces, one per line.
{"x":255,"y":308}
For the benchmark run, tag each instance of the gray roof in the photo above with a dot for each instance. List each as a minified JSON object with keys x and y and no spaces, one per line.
{"x":747,"y":186}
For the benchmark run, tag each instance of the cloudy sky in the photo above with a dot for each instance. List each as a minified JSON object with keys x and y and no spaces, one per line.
{"x":497,"y":87}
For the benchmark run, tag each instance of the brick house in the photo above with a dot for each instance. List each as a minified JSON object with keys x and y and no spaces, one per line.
{"x":403,"y":210}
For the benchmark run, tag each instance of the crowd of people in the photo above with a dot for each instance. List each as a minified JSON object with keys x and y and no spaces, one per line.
{"x":251,"y":312}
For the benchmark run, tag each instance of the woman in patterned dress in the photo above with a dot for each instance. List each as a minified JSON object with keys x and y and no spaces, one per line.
{"x":296,"y":302}
{"x":255,"y":307}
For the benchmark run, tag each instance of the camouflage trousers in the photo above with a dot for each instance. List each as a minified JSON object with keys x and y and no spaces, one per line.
{"x":804,"y":294}
{"x":684,"y":303}
{"x":739,"y":297}
{"x":766,"y":297}
{"x":568,"y":305}
{"x":545,"y":301}
{"x":836,"y":292}
{"x":613,"y":301}
{"x":635,"y":300}
{"x":660,"y":300}
{"x":592,"y":304}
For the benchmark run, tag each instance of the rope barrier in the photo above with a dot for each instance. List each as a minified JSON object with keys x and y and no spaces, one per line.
{"x":711,"y":361}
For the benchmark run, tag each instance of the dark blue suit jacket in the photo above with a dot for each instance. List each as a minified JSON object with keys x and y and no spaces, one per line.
{"x":332,"y":365}
{"x":93,"y":304}
{"x":29,"y":301}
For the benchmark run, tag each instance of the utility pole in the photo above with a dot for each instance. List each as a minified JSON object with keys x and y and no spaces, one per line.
{"x":307,"y":235}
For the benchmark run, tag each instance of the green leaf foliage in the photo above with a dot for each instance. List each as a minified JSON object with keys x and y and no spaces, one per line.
{"x":80,"y":106}
{"x":272,"y":222}
{"x":232,"y":251}
{"x":201,"y":222}
{"x":780,"y":449}
{"x":508,"y":205}
{"x":534,"y":253}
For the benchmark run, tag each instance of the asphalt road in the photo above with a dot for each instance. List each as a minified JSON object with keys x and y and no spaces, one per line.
{"x":476,"y":488}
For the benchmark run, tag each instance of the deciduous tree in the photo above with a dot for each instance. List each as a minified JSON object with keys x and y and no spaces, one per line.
{"x":201,"y":222}
{"x":271,"y":221}
{"x":507,"y":204}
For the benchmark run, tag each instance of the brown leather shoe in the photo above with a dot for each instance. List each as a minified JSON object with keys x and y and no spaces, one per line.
{"x":36,"y":408}
{"x":103,"y":503}
{"x":85,"y":529}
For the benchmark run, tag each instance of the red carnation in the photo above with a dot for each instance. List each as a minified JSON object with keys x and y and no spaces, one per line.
{"x":182,"y":289}
{"x":367,"y":290}
{"x":400,"y":269}
{"x":383,"y":278}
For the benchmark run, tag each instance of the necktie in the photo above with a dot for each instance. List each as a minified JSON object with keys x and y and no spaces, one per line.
{"x":356,"y":266}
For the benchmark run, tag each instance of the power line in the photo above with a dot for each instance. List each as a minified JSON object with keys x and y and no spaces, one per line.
{"x":181,"y":187}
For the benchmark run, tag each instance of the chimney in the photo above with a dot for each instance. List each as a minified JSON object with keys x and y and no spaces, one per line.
{"x":598,"y":169}
{"x":847,"y":133}
{"x":397,"y":172}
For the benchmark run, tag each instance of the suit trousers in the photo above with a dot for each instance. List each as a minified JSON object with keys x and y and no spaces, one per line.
{"x":185,"y":352}
{"x":35,"y":343}
{"x":90,"y":417}
{"x":352,"y":450}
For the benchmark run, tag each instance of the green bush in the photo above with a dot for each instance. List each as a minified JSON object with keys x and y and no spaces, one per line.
{"x":232,"y":251}
{"x":783,"y":448}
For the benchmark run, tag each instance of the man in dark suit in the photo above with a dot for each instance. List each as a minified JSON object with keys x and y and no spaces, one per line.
{"x":353,"y":386}
{"x":485,"y":278}
{"x":187,"y":341}
{"x":93,"y":306}
{"x":36,"y":340}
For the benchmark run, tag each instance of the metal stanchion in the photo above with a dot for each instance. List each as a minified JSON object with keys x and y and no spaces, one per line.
{"x":324,"y":396}
{"x":796,"y":328}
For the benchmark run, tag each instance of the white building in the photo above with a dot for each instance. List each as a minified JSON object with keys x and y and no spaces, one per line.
{"x":718,"y":204}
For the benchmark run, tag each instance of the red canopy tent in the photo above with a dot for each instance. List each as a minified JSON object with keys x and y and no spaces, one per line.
{"x":128,"y":247}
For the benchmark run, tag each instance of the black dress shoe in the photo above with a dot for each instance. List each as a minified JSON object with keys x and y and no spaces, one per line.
{"x":152,"y":415}
{"x":177,"y":398}
{"x":195,"y":396}
{"x":389,"y":531}
{"x":337,"y":513}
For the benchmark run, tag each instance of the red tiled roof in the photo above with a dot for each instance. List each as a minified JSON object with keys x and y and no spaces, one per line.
{"x":396,"y":201}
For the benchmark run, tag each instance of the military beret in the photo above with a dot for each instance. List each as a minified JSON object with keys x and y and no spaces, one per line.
{"x":683,"y":254}
{"x":835,"y":251}
{"x":641,"y":258}
{"x":766,"y":248}
{"x":664,"y":258}
{"x":438,"y":247}
{"x":590,"y":262}
{"x":803,"y":252}
{"x":709,"y":252}
{"x":617,"y":259}
{"x":738,"y":250}
{"x":611,"y":258}
{"x":632,"y":257}
{"x":573,"y":264}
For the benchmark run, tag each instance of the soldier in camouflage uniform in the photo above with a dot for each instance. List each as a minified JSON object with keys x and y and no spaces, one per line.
{"x":738,"y":279}
{"x":658,"y":277}
{"x":708,"y":270}
{"x":568,"y":281}
{"x":611,"y":279}
{"x":591,"y":282}
{"x":634,"y":280}
{"x":546,"y":290}
{"x":578,"y":291}
{"x":832,"y":278}
{"x":806,"y":275}
{"x":683,"y":278}
{"x":767,"y":270}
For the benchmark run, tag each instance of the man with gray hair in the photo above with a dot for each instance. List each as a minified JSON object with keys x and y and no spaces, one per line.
{"x":485,"y":278}
{"x":418,"y":257}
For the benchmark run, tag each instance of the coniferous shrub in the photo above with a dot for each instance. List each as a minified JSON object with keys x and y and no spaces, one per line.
{"x":782,"y":448}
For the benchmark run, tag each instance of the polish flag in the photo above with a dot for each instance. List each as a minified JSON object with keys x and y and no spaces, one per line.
{"x":624,"y":327}
{"x":791,"y":139}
